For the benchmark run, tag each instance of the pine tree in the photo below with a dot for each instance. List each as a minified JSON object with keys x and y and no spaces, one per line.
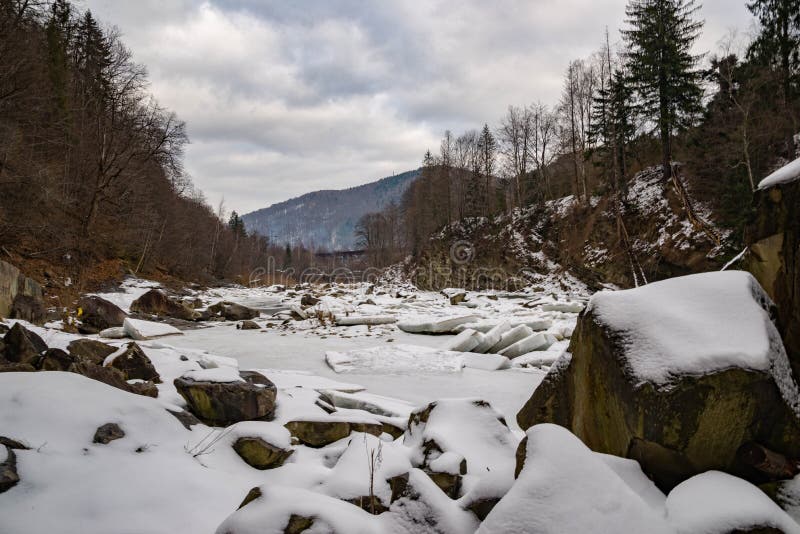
{"x":59,"y":36}
{"x":662,"y":68}
{"x":94,"y":56}
{"x":488,"y":148}
{"x":778,"y":44}
{"x":236,"y":224}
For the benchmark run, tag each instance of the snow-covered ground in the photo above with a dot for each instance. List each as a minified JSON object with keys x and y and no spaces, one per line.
{"x":456,"y":410}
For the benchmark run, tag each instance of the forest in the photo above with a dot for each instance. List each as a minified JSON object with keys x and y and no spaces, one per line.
{"x":92,"y":182}
{"x":716,"y":123}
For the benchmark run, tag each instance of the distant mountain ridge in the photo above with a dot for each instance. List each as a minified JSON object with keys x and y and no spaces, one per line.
{"x":326,"y":219}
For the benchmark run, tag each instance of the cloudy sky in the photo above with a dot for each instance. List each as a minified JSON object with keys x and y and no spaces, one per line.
{"x":286,"y":97}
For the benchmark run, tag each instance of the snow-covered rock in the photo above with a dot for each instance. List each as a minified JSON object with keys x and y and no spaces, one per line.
{"x":677,"y":374}
{"x":281,"y":510}
{"x":718,"y":503}
{"x":564,"y":488}
{"x":475,"y":432}
{"x":788,"y":173}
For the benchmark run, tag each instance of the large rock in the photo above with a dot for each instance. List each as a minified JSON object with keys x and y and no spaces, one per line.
{"x":231,"y":311}
{"x":259,"y":453}
{"x":289,"y":510}
{"x":23,"y":346}
{"x":450,"y":438}
{"x":773,"y":257}
{"x":564,"y":488}
{"x":112,"y":377}
{"x":318,"y":432}
{"x":8,"y":469}
{"x":134,"y":364}
{"x":28,"y":308}
{"x":55,"y":360}
{"x":221,"y":400}
{"x":91,"y":350}
{"x":99,"y":313}
{"x":156,"y":302}
{"x":677,"y":375}
{"x":14,"y":284}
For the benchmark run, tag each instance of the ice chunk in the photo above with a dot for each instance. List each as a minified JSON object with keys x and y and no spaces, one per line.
{"x":115,"y":332}
{"x":465,"y":341}
{"x":369,"y":320}
{"x":566,"y":307}
{"x":540,"y":341}
{"x":142,"y":330}
{"x":395,"y":359}
{"x":517,"y":333}
{"x":433,"y":324}
{"x":486,"y":362}
{"x":492,"y":337}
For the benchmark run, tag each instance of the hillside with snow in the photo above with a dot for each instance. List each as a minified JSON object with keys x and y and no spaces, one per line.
{"x":327,"y":219}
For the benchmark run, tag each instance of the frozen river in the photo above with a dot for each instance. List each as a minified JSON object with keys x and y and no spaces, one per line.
{"x":506,"y":390}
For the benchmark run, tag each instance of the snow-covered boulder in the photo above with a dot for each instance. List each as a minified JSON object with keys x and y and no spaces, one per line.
{"x":447,"y":432}
{"x":97,"y":313}
{"x":350,"y":477}
{"x":326,"y":429}
{"x":131,"y":360}
{"x":223,"y":395}
{"x":773,"y":255}
{"x":156,"y":302}
{"x":565,"y":488}
{"x":677,"y":375}
{"x":286,"y":510}
{"x":261,"y":444}
{"x":718,"y":503}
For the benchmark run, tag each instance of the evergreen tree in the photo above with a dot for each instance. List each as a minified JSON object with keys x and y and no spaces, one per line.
{"x":487,"y":147}
{"x":287,"y":256}
{"x":94,"y":57}
{"x":613,"y":125}
{"x":778,"y":44}
{"x":663,"y":71}
{"x":59,"y":35}
{"x":236,"y":224}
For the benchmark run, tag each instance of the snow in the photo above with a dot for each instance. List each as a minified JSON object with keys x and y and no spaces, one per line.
{"x":432,"y":324}
{"x":270,"y":513}
{"x":531,"y":343}
{"x":407,"y":359}
{"x":565,"y":488}
{"x":475,"y":431}
{"x":467,"y":340}
{"x":273,"y":433}
{"x":144,"y":482}
{"x":141,"y":330}
{"x":697,"y":324}
{"x":717,"y":503}
{"x":216,"y":374}
{"x":350,"y":476}
{"x":787,"y":173}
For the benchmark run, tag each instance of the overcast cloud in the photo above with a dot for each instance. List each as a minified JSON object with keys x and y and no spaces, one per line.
{"x":286,"y":97}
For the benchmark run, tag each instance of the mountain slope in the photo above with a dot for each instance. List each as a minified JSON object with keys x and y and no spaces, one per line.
{"x":326,"y":219}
